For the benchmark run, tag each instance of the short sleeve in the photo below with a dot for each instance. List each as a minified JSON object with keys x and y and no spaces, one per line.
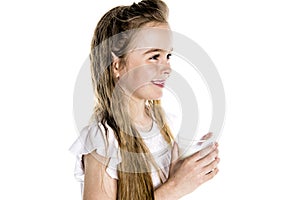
{"x":94,"y":138}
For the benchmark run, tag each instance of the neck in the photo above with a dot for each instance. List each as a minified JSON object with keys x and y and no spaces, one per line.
{"x":139,"y":115}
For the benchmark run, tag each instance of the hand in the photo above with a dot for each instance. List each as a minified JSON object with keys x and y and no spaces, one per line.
{"x":188,"y":174}
{"x":176,"y":161}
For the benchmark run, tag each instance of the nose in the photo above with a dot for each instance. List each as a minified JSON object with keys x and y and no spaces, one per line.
{"x":166,"y":69}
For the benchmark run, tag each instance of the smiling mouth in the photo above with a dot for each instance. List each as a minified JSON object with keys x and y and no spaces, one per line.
{"x":159,"y":83}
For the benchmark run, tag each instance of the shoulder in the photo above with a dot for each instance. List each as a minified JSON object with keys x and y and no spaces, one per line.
{"x":94,"y":137}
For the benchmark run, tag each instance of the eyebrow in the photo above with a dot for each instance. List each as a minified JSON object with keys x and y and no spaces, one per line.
{"x":154,"y":50}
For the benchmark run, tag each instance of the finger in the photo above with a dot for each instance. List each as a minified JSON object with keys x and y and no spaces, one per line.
{"x":211,"y":167}
{"x":210,"y":175}
{"x":208,"y":159}
{"x":175,"y":153}
{"x":207,"y":136}
{"x":202,"y":153}
{"x":174,"y":156}
{"x":175,"y":162}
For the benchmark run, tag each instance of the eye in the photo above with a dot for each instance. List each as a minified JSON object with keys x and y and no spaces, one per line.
{"x":169,"y":55}
{"x":155,"y":57}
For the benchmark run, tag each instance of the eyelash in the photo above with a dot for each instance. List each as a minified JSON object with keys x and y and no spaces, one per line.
{"x":155,"y":57}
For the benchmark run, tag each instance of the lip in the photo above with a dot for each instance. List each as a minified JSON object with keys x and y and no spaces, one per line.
{"x":159,"y":83}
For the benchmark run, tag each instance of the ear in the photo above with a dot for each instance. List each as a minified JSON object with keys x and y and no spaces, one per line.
{"x":116,"y":65}
{"x":114,"y":56}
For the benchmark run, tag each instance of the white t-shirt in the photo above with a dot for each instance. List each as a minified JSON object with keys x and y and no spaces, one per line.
{"x":93,"y":138}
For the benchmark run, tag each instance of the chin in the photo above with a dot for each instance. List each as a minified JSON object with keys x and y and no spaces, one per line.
{"x":156,"y":97}
{"x":150,"y":94}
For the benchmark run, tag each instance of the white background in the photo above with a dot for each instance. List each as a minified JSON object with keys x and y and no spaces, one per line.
{"x":254,"y":44}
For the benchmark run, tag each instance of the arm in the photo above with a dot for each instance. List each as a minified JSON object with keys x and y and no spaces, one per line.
{"x":188,"y":174}
{"x":98,"y":185}
{"x":166,"y":192}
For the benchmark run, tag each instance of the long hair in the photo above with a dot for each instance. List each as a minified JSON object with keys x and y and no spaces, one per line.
{"x":134,"y":172}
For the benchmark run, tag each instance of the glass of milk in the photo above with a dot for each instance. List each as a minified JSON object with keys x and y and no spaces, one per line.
{"x":188,"y":147}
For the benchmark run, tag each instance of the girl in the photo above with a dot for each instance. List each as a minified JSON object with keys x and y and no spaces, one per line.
{"x":128,"y":151}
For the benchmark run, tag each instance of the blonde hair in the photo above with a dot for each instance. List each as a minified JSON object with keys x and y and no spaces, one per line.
{"x":134,"y":171}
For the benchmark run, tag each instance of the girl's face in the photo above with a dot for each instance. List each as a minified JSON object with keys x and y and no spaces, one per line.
{"x":148,"y":64}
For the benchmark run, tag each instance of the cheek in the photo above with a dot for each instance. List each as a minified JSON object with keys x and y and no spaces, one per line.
{"x":144,"y":74}
{"x":140,"y":76}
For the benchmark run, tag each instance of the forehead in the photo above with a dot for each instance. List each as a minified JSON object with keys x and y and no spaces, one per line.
{"x":157,"y":37}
